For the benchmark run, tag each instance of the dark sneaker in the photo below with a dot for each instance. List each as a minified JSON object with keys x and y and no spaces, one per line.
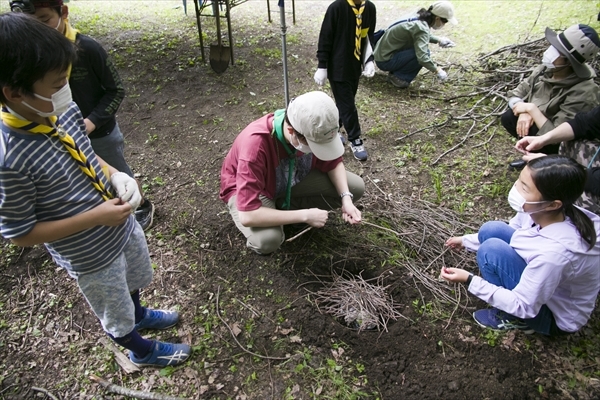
{"x":358,"y":149}
{"x":157,"y":319}
{"x":145,"y":214}
{"x":500,"y":321}
{"x":399,"y":83}
{"x":163,"y":355}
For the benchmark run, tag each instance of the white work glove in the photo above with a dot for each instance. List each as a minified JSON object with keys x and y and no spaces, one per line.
{"x":369,"y":70}
{"x":445,"y":42}
{"x":127,"y":189}
{"x":442,"y":74}
{"x":321,"y":76}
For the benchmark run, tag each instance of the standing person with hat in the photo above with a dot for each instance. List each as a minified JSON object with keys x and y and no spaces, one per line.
{"x":559,"y":88}
{"x":404,"y":47}
{"x":286,"y":168}
{"x":345,"y":51}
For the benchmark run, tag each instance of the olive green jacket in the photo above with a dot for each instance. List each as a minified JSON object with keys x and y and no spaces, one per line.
{"x":404,"y":36}
{"x":558,"y":100}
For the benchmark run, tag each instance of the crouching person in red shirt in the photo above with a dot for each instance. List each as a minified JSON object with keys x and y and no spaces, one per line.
{"x":286,"y":168}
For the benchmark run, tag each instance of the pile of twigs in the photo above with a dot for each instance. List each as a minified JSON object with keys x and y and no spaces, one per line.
{"x":424,"y":253}
{"x":357,"y":302}
{"x":487,"y":81}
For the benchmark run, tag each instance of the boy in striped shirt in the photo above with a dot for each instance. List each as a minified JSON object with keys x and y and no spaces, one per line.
{"x":55,"y":190}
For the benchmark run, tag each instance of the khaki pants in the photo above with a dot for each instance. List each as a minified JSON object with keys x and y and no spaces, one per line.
{"x":314,"y":191}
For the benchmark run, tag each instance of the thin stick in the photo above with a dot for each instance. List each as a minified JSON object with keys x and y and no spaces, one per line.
{"x":138,"y":394}
{"x":233,"y":334}
{"x":422,"y":129}
{"x":300,"y":234}
{"x":47,"y":393}
{"x":387,"y":229}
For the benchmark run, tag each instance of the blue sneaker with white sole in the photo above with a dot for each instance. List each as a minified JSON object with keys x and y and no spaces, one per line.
{"x":498,"y":320}
{"x":162,"y":355}
{"x":157,"y":319}
{"x":358,"y":149}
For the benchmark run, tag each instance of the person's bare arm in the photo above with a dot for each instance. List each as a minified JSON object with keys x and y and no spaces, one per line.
{"x":265,"y":217}
{"x":109,"y":213}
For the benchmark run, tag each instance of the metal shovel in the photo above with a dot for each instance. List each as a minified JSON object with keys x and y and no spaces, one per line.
{"x":219,"y":54}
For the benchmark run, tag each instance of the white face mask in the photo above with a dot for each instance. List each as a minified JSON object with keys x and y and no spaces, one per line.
{"x":57,"y":25}
{"x":435,"y":25}
{"x":60,"y":100}
{"x":517,"y":201}
{"x":300,"y":147}
{"x":549,"y":57}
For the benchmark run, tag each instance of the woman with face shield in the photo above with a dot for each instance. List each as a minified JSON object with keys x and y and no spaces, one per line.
{"x":541,"y":271}
{"x":559,"y":88}
{"x":404,"y":47}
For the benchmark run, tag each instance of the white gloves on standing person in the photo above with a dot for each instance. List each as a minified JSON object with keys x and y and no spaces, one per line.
{"x":442,"y":75}
{"x":445,"y":42}
{"x":369,"y":70}
{"x":127,"y":189}
{"x":321,"y":76}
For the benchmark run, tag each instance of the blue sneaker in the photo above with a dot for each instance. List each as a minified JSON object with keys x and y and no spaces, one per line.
{"x":157,"y":319}
{"x":500,"y":321}
{"x":163,"y":355}
{"x":358,"y":149}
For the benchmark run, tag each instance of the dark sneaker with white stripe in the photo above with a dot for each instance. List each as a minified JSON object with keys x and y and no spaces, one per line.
{"x":163,"y":355}
{"x":498,"y":320}
{"x":358,"y":149}
{"x":157,"y":319}
{"x":145,"y":214}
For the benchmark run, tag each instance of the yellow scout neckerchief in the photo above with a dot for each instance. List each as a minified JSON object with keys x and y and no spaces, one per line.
{"x":14,"y":122}
{"x":358,"y":11}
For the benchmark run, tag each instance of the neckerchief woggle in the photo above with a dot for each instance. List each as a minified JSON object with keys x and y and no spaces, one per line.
{"x":279,"y":117}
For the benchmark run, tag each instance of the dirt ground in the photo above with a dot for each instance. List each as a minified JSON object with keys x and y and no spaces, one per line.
{"x":179,"y":119}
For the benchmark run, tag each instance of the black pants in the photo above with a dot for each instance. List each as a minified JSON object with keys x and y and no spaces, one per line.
{"x":344,"y":94}
{"x":509,"y":122}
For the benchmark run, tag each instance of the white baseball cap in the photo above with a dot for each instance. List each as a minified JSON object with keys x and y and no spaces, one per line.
{"x":315,"y":116}
{"x":444,"y":9}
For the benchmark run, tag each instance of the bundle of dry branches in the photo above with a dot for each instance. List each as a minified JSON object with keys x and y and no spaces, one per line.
{"x":357,"y":302}
{"x":424,"y":253}
{"x":488,"y":82}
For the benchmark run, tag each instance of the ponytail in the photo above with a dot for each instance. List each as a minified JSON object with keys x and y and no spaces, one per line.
{"x":583,"y":223}
{"x":561,"y":178}
{"x":426,"y":15}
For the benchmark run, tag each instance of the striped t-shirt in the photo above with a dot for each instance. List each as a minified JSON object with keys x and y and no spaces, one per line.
{"x":40,"y":181}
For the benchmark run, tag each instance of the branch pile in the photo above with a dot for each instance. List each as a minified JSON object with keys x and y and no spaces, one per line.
{"x":485,"y":99}
{"x":357,"y":302}
{"x":424,"y":253}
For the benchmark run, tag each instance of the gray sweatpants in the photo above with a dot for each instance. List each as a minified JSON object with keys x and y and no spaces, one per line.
{"x":108,"y":291}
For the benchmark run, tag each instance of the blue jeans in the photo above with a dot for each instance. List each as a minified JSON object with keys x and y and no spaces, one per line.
{"x":403,"y":64}
{"x":500,"y":265}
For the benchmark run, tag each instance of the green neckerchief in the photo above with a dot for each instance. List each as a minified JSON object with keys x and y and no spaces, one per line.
{"x":279,"y":117}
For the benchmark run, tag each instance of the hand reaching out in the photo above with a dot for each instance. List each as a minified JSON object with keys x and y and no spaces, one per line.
{"x":351,"y":214}
{"x":316,"y":217}
{"x":456,"y":275}
{"x":455,"y":242}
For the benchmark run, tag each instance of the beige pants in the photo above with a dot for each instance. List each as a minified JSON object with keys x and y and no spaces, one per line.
{"x":314,"y":191}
